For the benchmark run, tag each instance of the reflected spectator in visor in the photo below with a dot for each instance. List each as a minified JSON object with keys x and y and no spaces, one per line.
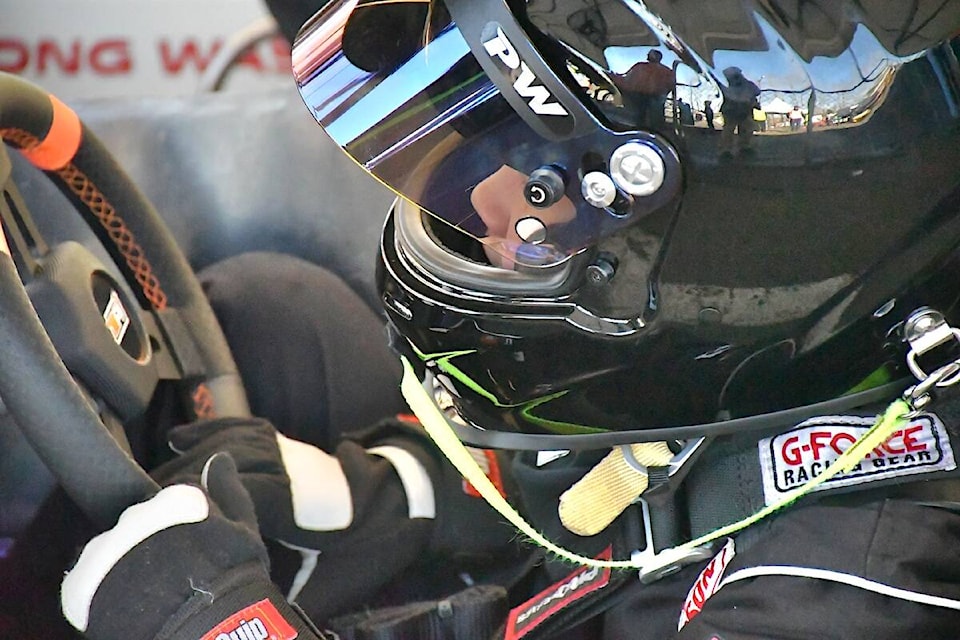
{"x":645,"y":87}
{"x":739,"y":99}
{"x":796,"y":119}
{"x":686,"y":113}
{"x":760,"y":118}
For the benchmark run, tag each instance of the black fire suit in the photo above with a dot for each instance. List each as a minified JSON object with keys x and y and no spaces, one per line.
{"x":871,"y":560}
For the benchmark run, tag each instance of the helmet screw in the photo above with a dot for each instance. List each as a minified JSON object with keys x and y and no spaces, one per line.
{"x":637,"y":168}
{"x":545,"y":187}
{"x":598,"y":189}
{"x":602,"y":269}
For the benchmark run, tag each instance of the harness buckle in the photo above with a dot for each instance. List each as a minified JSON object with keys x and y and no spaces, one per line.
{"x":925,"y":330}
{"x":653,"y":566}
{"x":669,"y":477}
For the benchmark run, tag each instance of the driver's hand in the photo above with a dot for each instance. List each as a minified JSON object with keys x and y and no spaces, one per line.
{"x":366,"y":512}
{"x":187,"y":563}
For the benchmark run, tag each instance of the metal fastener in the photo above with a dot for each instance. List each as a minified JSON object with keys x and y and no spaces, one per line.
{"x":637,"y":168}
{"x":598,"y":189}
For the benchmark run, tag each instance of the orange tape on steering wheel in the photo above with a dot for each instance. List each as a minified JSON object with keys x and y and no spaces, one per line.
{"x":58,"y":147}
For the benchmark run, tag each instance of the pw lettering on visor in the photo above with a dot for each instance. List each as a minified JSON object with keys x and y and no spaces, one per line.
{"x":790,"y":459}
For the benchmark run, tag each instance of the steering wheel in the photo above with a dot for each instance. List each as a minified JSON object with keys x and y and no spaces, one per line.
{"x":72,"y":339}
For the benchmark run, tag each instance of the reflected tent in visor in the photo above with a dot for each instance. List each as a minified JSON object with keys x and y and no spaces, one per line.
{"x":565,"y":267}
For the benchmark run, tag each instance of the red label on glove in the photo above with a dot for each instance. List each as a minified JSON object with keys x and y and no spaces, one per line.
{"x":259,"y":621}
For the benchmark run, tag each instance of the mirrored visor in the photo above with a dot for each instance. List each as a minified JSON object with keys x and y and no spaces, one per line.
{"x":397,"y":87}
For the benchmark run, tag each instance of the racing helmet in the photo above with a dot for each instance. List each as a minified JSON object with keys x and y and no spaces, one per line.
{"x":579,"y":258}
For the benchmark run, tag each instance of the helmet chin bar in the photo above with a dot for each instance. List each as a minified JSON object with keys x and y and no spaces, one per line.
{"x":479,"y":437}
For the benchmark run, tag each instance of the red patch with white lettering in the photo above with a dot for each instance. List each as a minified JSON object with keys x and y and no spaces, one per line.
{"x":527,"y":616}
{"x":259,"y":621}
{"x":487,"y":461}
{"x":707,"y":584}
{"x":791,"y":459}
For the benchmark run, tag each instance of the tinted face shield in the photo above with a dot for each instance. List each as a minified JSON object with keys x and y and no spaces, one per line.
{"x":461,"y":115}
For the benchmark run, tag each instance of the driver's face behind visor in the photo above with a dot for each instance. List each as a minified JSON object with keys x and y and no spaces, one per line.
{"x":512,"y":222}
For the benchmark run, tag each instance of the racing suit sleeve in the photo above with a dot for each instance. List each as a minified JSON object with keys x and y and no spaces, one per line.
{"x":187,"y":563}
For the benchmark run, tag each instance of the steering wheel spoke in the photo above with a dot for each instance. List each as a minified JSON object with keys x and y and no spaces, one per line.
{"x":24,"y":240}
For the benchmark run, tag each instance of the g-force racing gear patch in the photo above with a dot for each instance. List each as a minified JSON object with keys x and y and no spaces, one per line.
{"x":790,"y":459}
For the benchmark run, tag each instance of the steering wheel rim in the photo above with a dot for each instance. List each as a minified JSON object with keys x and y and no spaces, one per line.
{"x":50,"y":409}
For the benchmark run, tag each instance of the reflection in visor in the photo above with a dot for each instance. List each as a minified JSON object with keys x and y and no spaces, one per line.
{"x":432,"y":125}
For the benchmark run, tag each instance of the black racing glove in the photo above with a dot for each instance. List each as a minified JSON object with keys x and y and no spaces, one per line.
{"x":187,"y":563}
{"x":363,"y":513}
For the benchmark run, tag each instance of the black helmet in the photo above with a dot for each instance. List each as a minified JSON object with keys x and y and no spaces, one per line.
{"x":569,"y":257}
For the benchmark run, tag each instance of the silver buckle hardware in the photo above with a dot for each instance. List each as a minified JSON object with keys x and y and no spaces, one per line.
{"x":654,"y":566}
{"x":925,"y":330}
